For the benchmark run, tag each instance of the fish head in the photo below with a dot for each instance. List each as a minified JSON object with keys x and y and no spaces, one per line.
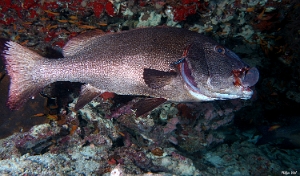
{"x":213,"y":72}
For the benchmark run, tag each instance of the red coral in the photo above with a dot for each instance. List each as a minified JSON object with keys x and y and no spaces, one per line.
{"x":59,"y":43}
{"x":5,"y":5}
{"x":180,"y":13}
{"x":29,"y":4}
{"x":98,"y":8}
{"x":109,"y":8}
{"x":72,"y":34}
{"x":76,"y":6}
{"x":107,"y":95}
{"x":102,"y":5}
{"x":8,"y":21}
{"x":18,"y":9}
{"x":32,"y":14}
{"x":49,"y":5}
{"x":50,"y":36}
{"x":142,"y":3}
{"x":188,"y":7}
{"x":189,"y":1}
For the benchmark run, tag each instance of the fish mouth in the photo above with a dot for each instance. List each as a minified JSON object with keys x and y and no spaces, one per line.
{"x":241,"y":86}
{"x":251,"y":77}
{"x":245,"y":77}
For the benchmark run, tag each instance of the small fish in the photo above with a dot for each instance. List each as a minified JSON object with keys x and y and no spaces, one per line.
{"x":52,"y":13}
{"x":274,"y":127}
{"x":39,"y":115}
{"x":87,"y":27}
{"x":286,"y":136}
{"x":73,"y":17}
{"x":166,"y":63}
{"x":250,"y":9}
{"x":63,"y":21}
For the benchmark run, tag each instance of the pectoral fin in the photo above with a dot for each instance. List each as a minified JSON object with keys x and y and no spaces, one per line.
{"x":145,"y":105}
{"x":87,"y":94}
{"x":156,"y":79}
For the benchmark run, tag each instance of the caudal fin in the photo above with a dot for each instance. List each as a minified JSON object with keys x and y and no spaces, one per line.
{"x":21,"y":64}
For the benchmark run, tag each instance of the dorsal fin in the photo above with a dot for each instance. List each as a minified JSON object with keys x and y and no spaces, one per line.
{"x":87,"y":94}
{"x":78,"y":43}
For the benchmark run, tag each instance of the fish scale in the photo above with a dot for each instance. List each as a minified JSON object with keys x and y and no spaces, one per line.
{"x":136,"y":62}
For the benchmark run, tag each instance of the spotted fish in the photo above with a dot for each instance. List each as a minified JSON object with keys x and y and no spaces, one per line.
{"x":167,"y":63}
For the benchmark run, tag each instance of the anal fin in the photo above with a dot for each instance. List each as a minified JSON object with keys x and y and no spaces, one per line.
{"x":145,"y":105}
{"x":87,"y":94}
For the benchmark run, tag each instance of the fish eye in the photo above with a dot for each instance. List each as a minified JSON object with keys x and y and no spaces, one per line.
{"x":219,"y":49}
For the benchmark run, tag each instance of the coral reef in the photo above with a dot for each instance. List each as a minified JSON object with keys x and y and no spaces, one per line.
{"x":101,"y":145}
{"x":226,"y":160}
{"x":105,"y":137}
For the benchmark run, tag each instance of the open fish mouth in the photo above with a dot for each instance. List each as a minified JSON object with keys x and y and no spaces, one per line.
{"x":243,"y":80}
{"x":250,"y":77}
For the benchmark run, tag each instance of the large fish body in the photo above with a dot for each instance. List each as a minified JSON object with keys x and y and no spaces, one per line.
{"x":171,"y":63}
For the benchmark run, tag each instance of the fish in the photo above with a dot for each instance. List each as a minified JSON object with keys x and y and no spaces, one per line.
{"x":164,"y":63}
{"x":285,"y":135}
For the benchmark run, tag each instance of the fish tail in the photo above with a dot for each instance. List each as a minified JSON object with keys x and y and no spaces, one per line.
{"x":21,"y":64}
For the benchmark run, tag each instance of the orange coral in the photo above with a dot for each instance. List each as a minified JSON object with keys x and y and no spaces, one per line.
{"x":107,"y":95}
{"x":157,"y":152}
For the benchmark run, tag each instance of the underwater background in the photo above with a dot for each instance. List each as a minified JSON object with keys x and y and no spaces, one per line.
{"x":260,"y":136}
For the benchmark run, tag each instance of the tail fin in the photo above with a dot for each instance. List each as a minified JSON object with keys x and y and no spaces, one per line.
{"x":20,"y":64}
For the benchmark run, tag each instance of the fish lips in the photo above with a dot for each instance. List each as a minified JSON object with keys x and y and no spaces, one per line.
{"x":251,"y":77}
{"x":245,"y":77}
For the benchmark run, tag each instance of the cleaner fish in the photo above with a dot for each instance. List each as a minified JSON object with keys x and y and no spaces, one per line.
{"x":169,"y":64}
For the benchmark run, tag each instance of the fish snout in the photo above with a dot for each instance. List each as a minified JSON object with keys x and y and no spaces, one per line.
{"x":245,"y":77}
